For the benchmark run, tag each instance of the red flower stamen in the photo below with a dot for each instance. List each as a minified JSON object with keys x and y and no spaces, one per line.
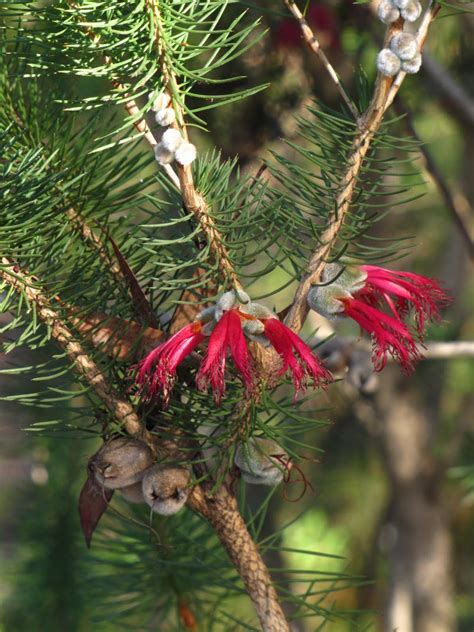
{"x":227,"y":334}
{"x":389,"y":334}
{"x":157,"y":372}
{"x":409,"y":291}
{"x":296,"y":355}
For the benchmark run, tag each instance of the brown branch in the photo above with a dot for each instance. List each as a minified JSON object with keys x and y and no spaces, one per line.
{"x":192,"y":199}
{"x":222,"y":513}
{"x":368,"y":124}
{"x":453,"y":203}
{"x":315,"y":46}
{"x":121,"y":409}
{"x":89,"y":235}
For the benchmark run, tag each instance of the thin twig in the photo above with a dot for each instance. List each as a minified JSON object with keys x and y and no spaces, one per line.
{"x":121,"y":410}
{"x":193,"y":201}
{"x":452,"y":203}
{"x":130,"y":104}
{"x":315,"y":46}
{"x":368,"y":124}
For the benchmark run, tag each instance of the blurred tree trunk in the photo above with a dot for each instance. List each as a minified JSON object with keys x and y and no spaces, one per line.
{"x":420,"y":597}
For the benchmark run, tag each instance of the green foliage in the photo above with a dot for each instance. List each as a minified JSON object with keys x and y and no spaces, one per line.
{"x":68,"y":70}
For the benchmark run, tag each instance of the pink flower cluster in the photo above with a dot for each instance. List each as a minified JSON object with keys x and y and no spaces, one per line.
{"x":224,"y":329}
{"x":382,"y":301}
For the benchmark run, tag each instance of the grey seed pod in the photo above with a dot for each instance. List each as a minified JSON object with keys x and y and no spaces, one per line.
{"x":388,"y":63}
{"x":166,"y":488}
{"x":160,"y":101}
{"x":121,"y":462}
{"x":349,"y":277}
{"x":387,"y":12}
{"x":171,"y":139}
{"x":325,"y":300}
{"x":185,"y":154}
{"x":257,"y":462}
{"x":412,"y":11}
{"x":133,"y":493}
{"x":165,"y":116}
{"x":404,"y":45}
{"x":163,"y":155}
{"x":412,"y":66}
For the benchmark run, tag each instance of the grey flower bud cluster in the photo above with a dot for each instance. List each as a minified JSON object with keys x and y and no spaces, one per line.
{"x":337,"y":282}
{"x":402,"y":55}
{"x":161,"y":105}
{"x":252,"y":327}
{"x":389,"y":11}
{"x":262,"y":461}
{"x":128,"y":465}
{"x":173,"y":147}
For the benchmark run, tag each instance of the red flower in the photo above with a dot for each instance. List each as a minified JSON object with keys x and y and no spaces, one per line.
{"x":227,"y":334}
{"x":402,"y":293}
{"x":296,"y":355}
{"x":157,"y":372}
{"x":410,"y":292}
{"x":389,"y":335}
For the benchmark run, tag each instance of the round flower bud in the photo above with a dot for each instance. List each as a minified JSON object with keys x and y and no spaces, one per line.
{"x":262,"y":461}
{"x":163,"y":155}
{"x":165,"y":116}
{"x":388,"y":63}
{"x":402,"y":4}
{"x":121,"y":462}
{"x":387,"y":12}
{"x":166,"y":488}
{"x":159,"y":102}
{"x":257,"y":310}
{"x":207,"y":314}
{"x":412,"y":66}
{"x":349,"y":277}
{"x":186,"y":153}
{"x":412,"y":11}
{"x":324,"y":299}
{"x":404,"y":45}
{"x":171,"y":139}
{"x":225,"y":302}
{"x":253,"y":327}
{"x":242,"y":296}
{"x":133,"y":493}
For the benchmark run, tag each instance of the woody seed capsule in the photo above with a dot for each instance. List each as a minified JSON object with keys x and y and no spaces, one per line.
{"x":121,"y":462}
{"x":166,"y":488}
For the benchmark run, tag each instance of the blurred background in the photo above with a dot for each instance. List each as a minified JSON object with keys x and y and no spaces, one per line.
{"x":392,"y":494}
